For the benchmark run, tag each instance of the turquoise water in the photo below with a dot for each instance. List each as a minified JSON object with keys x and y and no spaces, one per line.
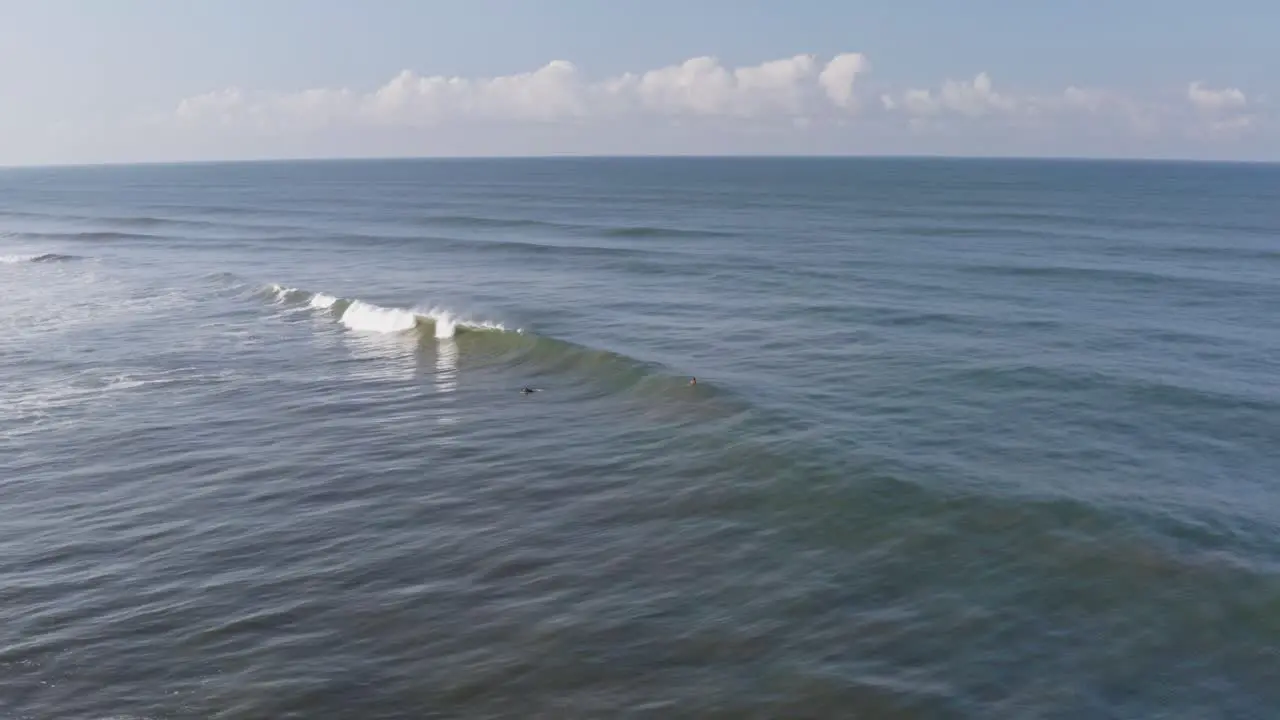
{"x":971,"y":439}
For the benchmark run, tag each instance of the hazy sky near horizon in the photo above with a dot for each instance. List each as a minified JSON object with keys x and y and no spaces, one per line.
{"x":86,"y":81}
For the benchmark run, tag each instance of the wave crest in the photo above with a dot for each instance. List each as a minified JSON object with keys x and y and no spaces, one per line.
{"x":363,"y":316}
{"x":366,"y":317}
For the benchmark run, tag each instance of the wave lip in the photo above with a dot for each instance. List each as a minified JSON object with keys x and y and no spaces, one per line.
{"x":362,"y":316}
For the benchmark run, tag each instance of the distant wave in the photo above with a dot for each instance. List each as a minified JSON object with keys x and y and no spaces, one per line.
{"x":1169,"y":393}
{"x":148,"y":221}
{"x":508,"y":244}
{"x":88,"y":235}
{"x":477,"y":221}
{"x":230,"y":225}
{"x":367,"y":317}
{"x":1080,"y":274}
{"x":536,"y":248}
{"x":643,"y":231}
{"x":110,"y":227}
{"x":45,"y":258}
{"x":141,"y":221}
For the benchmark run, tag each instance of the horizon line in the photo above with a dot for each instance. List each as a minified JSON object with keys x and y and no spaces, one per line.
{"x":654,"y":156}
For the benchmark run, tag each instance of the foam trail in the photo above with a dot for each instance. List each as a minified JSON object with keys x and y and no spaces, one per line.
{"x":365,"y":317}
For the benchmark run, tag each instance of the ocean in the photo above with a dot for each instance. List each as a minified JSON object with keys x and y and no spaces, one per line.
{"x":968,"y":439}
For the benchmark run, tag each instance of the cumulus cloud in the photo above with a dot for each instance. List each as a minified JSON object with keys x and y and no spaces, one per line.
{"x":1087,"y":110}
{"x":971,"y":98}
{"x":702,"y":86}
{"x":551,"y":92}
{"x":1225,"y":113}
{"x":791,"y":97}
{"x":1210,"y":100}
{"x":838,"y":77}
{"x":699,"y":87}
{"x":220,"y":104}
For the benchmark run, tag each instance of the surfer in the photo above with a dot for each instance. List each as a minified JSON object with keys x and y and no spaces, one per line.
{"x":693,"y":381}
{"x":526,"y":390}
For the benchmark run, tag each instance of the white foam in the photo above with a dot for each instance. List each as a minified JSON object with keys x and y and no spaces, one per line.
{"x":366,"y":317}
{"x":322,"y":301}
{"x":42,"y":257}
{"x":281,"y":292}
{"x":446,"y":326}
{"x":447,"y":323}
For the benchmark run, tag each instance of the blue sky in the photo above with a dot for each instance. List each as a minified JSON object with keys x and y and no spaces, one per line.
{"x":142,"y":80}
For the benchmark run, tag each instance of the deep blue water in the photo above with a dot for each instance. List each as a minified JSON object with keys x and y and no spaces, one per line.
{"x":969,"y":439}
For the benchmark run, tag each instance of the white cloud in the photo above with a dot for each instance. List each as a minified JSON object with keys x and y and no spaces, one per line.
{"x":1083,"y":110}
{"x":838,"y":78}
{"x":971,"y":98}
{"x":703,"y":87}
{"x":220,"y":104}
{"x":1224,"y":112}
{"x":797,"y":103}
{"x":551,"y":92}
{"x":1098,"y":106}
{"x":1086,"y":99}
{"x":1210,"y":100}
{"x":699,"y":87}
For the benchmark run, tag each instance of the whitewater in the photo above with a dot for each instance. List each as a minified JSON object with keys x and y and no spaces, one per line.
{"x":366,"y":317}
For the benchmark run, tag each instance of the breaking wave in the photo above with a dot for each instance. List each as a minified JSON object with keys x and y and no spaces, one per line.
{"x":44,"y":258}
{"x":363,"y":316}
{"x":373,"y":318}
{"x":549,"y":362}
